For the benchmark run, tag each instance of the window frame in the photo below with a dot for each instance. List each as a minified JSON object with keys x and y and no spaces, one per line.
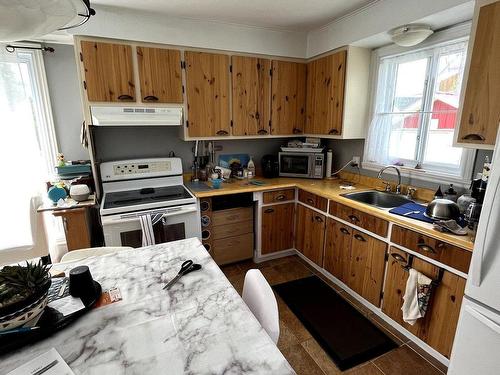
{"x":456,"y":34}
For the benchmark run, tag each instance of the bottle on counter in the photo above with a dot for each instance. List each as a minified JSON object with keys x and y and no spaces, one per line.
{"x":251,"y":168}
{"x":438,"y":194}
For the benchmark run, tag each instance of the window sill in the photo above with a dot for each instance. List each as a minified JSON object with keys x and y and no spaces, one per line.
{"x":421,"y":174}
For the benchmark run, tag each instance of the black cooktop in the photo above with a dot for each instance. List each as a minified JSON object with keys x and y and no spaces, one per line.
{"x":145,"y":195}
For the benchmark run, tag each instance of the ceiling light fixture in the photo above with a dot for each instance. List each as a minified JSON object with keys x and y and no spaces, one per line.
{"x":27,"y":19}
{"x":410,"y":35}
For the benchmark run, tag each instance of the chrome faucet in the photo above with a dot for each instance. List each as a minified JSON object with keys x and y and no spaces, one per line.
{"x":387,"y":185}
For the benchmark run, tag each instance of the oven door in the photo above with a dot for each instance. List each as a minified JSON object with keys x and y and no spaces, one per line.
{"x":295,"y":164}
{"x":177,"y":223}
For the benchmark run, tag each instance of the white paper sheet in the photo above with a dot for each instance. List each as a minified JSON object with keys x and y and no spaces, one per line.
{"x":67,"y":305}
{"x":49,"y":363}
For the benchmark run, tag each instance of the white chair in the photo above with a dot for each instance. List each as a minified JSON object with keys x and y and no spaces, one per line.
{"x":260,"y":299}
{"x":90,"y":252}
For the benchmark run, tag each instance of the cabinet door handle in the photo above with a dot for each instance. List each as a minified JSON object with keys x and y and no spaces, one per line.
{"x":425,"y":247}
{"x":399,"y":258}
{"x":310,"y":201}
{"x":344,"y":230}
{"x":333,"y":131}
{"x":280,"y":197}
{"x":222,"y":132}
{"x":473,"y":137}
{"x":125,"y":97}
{"x":297,"y":131}
{"x":262,"y":132}
{"x":353,"y":218}
{"x":268,"y":211}
{"x":359,"y":237}
{"x":257,"y":115}
{"x":319,"y":219}
{"x":151,"y":98}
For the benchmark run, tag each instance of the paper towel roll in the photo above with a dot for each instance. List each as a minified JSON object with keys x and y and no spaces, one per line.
{"x":329,"y":160}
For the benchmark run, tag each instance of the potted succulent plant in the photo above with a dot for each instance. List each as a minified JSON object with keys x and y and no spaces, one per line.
{"x":23,"y":291}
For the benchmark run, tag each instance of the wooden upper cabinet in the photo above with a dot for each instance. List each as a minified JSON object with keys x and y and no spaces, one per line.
{"x":288,"y":93}
{"x":325,"y":94}
{"x":251,"y":81}
{"x":207,"y":90}
{"x":159,"y":75}
{"x":109,"y":75}
{"x":481,"y":109}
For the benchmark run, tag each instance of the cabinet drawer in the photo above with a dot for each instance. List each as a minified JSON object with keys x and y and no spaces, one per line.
{"x":359,"y":218}
{"x":443,"y":252}
{"x":233,"y":249}
{"x":231,"y":230}
{"x":313,"y":200}
{"x":231,"y":216}
{"x":279,"y":196}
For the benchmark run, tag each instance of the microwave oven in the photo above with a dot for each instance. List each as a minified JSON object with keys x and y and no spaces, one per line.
{"x":302,"y":164}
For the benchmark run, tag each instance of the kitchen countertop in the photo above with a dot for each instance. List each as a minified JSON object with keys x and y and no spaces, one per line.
{"x":331,"y":189}
{"x":200,"y":326}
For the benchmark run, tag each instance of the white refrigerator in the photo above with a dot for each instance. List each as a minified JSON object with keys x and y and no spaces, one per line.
{"x":476,"y":349}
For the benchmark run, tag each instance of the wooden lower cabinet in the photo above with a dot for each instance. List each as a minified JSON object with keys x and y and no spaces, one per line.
{"x":438,"y":326}
{"x":310,"y":233}
{"x":277,"y":228}
{"x":337,"y":249}
{"x":366,"y":267}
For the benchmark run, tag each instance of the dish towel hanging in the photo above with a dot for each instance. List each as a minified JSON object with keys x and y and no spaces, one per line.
{"x":417,"y":295}
{"x":147,"y":222}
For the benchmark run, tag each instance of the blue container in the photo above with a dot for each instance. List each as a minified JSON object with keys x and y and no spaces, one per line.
{"x":216,"y":183}
{"x":55,"y":193}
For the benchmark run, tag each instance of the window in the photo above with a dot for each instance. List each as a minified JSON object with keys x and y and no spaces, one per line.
{"x":415,"y":113}
{"x":27,"y":142}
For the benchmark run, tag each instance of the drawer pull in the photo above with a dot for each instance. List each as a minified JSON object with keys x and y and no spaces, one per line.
{"x":343,"y":230}
{"x":125,"y":97}
{"x":222,"y":132}
{"x":280,"y":197}
{"x":353,"y":218}
{"x":269,"y":210}
{"x":333,"y":131}
{"x":424,"y":247}
{"x":151,"y":98}
{"x":262,"y":132}
{"x":319,"y":219}
{"x":297,"y":131}
{"x":359,"y":237}
{"x":473,"y":137}
{"x":310,"y":201}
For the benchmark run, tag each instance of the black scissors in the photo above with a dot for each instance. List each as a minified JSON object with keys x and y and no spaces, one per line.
{"x":187,"y":267}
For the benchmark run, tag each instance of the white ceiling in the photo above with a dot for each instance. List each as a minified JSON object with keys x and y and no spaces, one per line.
{"x":296,"y":15}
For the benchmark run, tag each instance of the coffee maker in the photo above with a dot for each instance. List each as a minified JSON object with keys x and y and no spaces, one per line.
{"x":270,"y":166}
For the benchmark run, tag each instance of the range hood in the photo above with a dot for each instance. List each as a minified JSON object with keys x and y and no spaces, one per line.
{"x":136,"y":116}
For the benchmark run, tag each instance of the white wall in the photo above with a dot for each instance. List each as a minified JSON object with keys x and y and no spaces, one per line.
{"x":126,"y":24}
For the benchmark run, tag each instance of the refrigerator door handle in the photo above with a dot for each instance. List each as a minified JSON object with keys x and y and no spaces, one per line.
{"x":482,"y":239}
{"x":483,"y":319}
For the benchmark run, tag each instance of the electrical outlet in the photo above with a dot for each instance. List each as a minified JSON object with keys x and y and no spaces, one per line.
{"x":356,"y":160}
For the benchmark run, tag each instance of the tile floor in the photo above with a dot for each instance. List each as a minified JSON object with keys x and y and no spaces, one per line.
{"x":301,"y":349}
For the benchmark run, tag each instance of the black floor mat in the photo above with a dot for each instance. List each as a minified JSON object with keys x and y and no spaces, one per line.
{"x":341,"y":330}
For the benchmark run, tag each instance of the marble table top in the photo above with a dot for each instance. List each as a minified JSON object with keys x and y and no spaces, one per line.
{"x":200,"y":326}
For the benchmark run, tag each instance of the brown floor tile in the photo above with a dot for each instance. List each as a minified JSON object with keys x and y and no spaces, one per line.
{"x":404,"y":360}
{"x":231,"y":270}
{"x":301,"y":361}
{"x":292,"y":271}
{"x":287,"y":338}
{"x":237,"y":281}
{"x":272,"y":275}
{"x":319,"y":356}
{"x":365,"y":369}
{"x":427,"y":356}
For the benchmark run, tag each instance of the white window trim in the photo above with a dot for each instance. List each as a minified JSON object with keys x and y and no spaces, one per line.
{"x":455,"y":33}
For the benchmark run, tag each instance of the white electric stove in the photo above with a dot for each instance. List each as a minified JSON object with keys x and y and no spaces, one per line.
{"x":142,"y":187}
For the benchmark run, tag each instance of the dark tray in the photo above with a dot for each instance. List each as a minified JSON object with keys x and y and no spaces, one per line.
{"x":50,"y":322}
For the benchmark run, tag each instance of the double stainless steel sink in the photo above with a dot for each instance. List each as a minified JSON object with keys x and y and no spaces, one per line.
{"x":380,"y":199}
